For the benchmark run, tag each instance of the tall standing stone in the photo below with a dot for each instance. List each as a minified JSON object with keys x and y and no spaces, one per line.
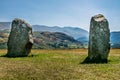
{"x":99,"y":39}
{"x":20,"y":39}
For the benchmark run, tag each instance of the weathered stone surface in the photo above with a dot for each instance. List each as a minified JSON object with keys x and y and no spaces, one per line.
{"x":20,"y":40}
{"x":99,"y":39}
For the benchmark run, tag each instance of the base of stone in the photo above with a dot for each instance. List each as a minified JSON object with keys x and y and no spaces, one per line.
{"x":9,"y":55}
{"x":94,"y":60}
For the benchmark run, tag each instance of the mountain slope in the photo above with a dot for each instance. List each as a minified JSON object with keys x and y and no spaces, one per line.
{"x":84,"y":40}
{"x":3,"y":38}
{"x":54,"y":40}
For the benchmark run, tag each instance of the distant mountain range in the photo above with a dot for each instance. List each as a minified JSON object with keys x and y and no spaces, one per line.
{"x":115,"y":39}
{"x":42,"y":39}
{"x":72,"y":31}
{"x":79,"y":34}
{"x":4,"y":25}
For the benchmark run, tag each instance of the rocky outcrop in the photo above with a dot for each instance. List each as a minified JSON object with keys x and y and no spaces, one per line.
{"x":20,"y":40}
{"x":99,"y":39}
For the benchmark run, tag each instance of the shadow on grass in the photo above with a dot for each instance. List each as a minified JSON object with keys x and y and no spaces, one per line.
{"x":31,"y":55}
{"x":95,"y":61}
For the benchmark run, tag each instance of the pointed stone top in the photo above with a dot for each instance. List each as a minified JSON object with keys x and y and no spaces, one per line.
{"x":99,"y":18}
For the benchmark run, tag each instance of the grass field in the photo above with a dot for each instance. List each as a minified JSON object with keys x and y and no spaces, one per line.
{"x":58,"y":65}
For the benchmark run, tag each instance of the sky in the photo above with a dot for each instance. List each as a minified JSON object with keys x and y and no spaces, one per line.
{"x":75,"y":13}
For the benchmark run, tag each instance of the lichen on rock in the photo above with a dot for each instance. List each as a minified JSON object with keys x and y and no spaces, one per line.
{"x":99,"y":40}
{"x":20,"y":40}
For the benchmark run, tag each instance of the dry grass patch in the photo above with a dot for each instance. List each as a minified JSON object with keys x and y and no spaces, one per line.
{"x":58,"y":65}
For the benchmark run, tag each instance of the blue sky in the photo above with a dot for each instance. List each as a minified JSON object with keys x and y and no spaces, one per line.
{"x":76,"y":13}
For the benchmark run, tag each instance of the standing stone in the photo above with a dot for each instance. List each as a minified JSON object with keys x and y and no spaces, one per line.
{"x":99,"y":39}
{"x":20,"y":39}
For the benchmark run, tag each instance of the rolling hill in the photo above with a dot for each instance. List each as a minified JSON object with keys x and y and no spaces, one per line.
{"x":54,"y":40}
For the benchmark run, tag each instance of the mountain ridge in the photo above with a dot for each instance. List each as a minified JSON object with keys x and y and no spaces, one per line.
{"x":72,"y":31}
{"x":77,"y":33}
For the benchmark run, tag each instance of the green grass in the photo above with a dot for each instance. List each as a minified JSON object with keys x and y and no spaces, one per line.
{"x":58,"y":65}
